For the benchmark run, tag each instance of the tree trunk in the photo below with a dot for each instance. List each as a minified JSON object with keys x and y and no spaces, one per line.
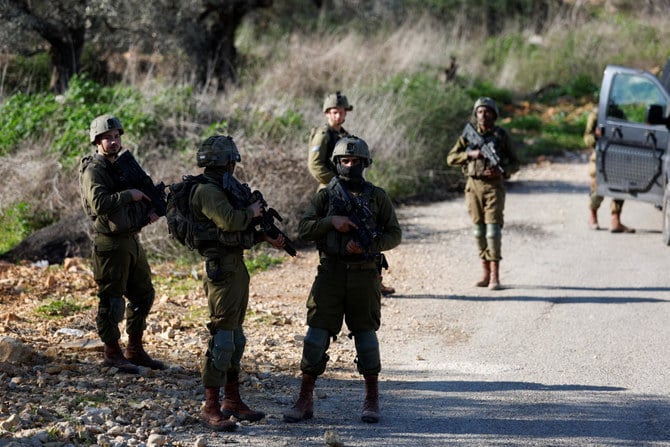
{"x":65,"y":54}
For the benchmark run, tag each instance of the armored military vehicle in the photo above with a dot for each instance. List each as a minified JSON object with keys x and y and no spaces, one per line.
{"x":633,"y":151}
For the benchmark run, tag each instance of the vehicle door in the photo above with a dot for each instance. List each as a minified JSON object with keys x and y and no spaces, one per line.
{"x":631,"y":152}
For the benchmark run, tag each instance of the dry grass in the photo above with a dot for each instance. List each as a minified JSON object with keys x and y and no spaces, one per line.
{"x":299,"y":69}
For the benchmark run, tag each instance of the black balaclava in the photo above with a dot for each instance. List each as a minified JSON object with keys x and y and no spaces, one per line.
{"x":219,"y":171}
{"x":352,"y":175}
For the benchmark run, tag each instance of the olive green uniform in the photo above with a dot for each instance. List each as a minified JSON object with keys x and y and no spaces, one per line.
{"x":346,"y":285}
{"x":321,"y":144}
{"x":120,"y":266}
{"x":226,"y":282}
{"x":590,"y":141}
{"x":485,"y":195}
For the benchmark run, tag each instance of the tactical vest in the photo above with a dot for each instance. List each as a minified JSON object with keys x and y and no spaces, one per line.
{"x":208,"y":231}
{"x":334,"y":242}
{"x":127,"y":218}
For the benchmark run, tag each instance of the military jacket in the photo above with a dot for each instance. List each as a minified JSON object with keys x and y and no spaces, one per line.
{"x":316,"y":223}
{"x":590,"y":130}
{"x":321,"y":145}
{"x":107,"y":201}
{"x":211,"y":204}
{"x":475,"y":168}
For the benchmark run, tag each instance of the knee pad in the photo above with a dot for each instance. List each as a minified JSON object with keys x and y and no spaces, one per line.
{"x":494,"y":237}
{"x":223,"y":347}
{"x":112,"y":309}
{"x":493,"y":230}
{"x":143,"y":306}
{"x":478,"y":230}
{"x":240,"y":342}
{"x":314,"y":357}
{"x":368,"y":359}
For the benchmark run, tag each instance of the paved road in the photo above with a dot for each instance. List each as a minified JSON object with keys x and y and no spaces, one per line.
{"x":573,"y":352}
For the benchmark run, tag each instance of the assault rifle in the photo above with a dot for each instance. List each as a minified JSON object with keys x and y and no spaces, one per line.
{"x":485,"y":145}
{"x":133,"y":176}
{"x":358,"y":211}
{"x":266,"y":222}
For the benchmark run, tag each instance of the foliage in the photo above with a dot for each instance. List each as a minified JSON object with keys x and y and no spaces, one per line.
{"x":14,"y":226}
{"x":257,"y":261}
{"x":65,"y":118}
{"x":433,"y":115}
{"x":59,"y":308}
{"x":17,"y":221}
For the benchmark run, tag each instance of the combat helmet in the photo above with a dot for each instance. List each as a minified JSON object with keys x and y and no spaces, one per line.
{"x":352,"y":146}
{"x":336,"y":99}
{"x":487,"y":102}
{"x":218,"y":150}
{"x":102,"y":124}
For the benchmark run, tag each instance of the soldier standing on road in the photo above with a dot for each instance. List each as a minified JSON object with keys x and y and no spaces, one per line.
{"x":120,"y":266}
{"x":346,"y":286}
{"x":322,"y":142}
{"x":591,"y":135}
{"x":226,"y":281}
{"x":485,"y":188}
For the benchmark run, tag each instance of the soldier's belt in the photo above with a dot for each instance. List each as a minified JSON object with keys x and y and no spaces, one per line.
{"x":330,"y":260}
{"x":119,"y":235}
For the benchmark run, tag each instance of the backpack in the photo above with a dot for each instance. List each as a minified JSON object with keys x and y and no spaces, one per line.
{"x":182,"y":225}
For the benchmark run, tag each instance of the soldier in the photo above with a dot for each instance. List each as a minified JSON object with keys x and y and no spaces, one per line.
{"x":485,"y":188}
{"x":120,"y":264}
{"x":321,"y":145}
{"x":591,"y":134}
{"x":352,"y":222}
{"x":226,"y":281}
{"x":323,"y":139}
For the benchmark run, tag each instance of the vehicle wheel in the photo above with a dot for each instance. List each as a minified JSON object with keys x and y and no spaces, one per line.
{"x":666,"y":215}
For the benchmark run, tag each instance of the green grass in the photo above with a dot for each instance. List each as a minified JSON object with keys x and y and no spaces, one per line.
{"x":59,"y":308}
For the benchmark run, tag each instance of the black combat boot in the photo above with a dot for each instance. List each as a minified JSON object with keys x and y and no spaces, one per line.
{"x":211,"y":413}
{"x":232,"y":402}
{"x":304,"y":406}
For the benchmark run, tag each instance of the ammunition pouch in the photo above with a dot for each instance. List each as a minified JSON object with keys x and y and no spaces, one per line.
{"x":244,"y":239}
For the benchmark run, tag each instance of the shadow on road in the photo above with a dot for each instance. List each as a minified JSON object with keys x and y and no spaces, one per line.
{"x":437,"y":413}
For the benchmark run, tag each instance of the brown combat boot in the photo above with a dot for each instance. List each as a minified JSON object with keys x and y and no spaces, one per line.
{"x":136,"y":354}
{"x":232,"y":402}
{"x":618,"y":227}
{"x":593,"y":219}
{"x":486,"y":265}
{"x":371,"y":403}
{"x":494,"y":283}
{"x":113,"y":357}
{"x":386,"y":290}
{"x":211,"y":413}
{"x":304,"y":406}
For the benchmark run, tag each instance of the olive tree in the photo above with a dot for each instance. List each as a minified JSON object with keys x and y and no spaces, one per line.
{"x":204,"y":30}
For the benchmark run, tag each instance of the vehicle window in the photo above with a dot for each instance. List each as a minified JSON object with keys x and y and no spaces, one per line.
{"x":630,"y":97}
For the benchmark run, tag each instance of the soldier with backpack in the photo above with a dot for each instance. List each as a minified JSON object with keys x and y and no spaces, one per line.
{"x":120,"y":264}
{"x":218,"y":211}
